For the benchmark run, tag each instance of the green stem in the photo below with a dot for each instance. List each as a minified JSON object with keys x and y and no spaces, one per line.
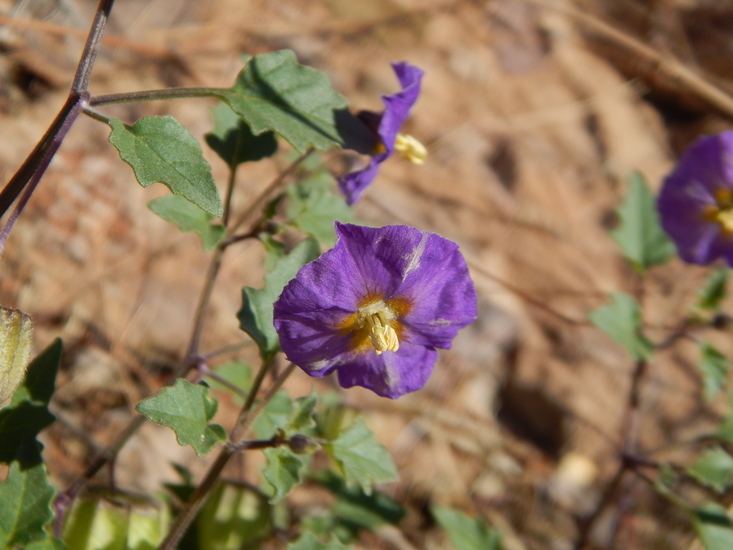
{"x":246,"y":417}
{"x":96,"y":115}
{"x":153,"y":95}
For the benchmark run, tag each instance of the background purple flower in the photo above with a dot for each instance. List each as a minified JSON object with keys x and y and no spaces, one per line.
{"x":396,"y":110}
{"x":696,"y":201}
{"x":375,"y":307}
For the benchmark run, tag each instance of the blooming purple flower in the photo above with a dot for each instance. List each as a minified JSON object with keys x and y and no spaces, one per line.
{"x":696,"y":201}
{"x":396,"y":110}
{"x":375,"y":307}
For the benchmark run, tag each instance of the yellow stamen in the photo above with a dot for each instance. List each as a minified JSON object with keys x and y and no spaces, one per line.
{"x":722,"y":212}
{"x":411,"y":149}
{"x":377,"y":319}
{"x":383,"y":336}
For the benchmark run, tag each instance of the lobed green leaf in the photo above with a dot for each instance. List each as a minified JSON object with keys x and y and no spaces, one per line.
{"x":16,"y":337}
{"x":28,"y":412}
{"x":273,"y":92}
{"x":234,"y":142}
{"x":283,"y":471}
{"x":712,"y":293}
{"x":256,"y":315}
{"x":713,"y":367}
{"x":314,"y":212}
{"x":26,"y":497}
{"x":466,"y":533}
{"x":640,"y":235}
{"x":713,"y":526}
{"x":162,"y":150}
{"x":713,"y":469}
{"x":308,"y":541}
{"x":233,"y":517}
{"x":361,"y":458}
{"x":189,"y":217}
{"x":236,"y":373}
{"x":186,"y":409}
{"x":621,"y":320}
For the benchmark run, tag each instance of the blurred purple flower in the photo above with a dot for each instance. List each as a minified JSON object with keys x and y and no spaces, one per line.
{"x":375,"y":307}
{"x":696,"y":201}
{"x":386,"y":126}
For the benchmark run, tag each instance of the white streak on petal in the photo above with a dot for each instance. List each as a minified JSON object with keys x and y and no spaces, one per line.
{"x":413,"y":258}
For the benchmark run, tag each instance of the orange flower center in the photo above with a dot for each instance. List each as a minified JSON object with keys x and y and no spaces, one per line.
{"x":722,"y":212}
{"x":376,"y":324}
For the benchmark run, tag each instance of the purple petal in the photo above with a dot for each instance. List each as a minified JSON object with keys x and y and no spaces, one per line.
{"x":390,"y":374}
{"x":397,"y":106}
{"x":688,"y":193}
{"x":420,"y":279}
{"x":396,"y":110}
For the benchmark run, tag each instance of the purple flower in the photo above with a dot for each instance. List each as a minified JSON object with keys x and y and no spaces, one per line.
{"x":375,"y":307}
{"x":696,"y":201}
{"x":387,"y":126}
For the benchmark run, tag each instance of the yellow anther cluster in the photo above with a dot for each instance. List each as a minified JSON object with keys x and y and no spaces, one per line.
{"x":376,"y":320}
{"x":411,"y":149}
{"x":722,"y":213}
{"x":383,"y":336}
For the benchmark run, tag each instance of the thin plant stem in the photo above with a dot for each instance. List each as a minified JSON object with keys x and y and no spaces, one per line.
{"x":91,"y":47}
{"x":200,"y":316}
{"x":628,"y":449}
{"x":96,"y":115}
{"x":43,"y":152}
{"x":39,"y":158}
{"x":270,"y":189}
{"x":198,"y":498}
{"x":227,"y":349}
{"x":154,"y":95}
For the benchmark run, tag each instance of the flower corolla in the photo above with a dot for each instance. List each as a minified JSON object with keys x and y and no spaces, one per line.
{"x":375,"y":307}
{"x":386,"y":126}
{"x":696,"y":201}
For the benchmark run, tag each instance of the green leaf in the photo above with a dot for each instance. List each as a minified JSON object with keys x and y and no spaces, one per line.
{"x":232,"y":518}
{"x":714,"y":368}
{"x":313,"y":212}
{"x":46,"y":544}
{"x":301,"y":417}
{"x":361,"y":458}
{"x":256,"y":314}
{"x":274,"y":250}
{"x":28,"y":412}
{"x":237,"y":373}
{"x":40,"y":377}
{"x":26,"y":504}
{"x":234,"y":142}
{"x":188,"y":217}
{"x":621,"y":320}
{"x":713,"y":469}
{"x":713,"y":526}
{"x":20,"y":425}
{"x":283,"y":471}
{"x":95,"y":524}
{"x":640,"y":236}
{"x":16,"y":337}
{"x":357,"y":510}
{"x":713,"y":292}
{"x":186,"y":409}
{"x":308,"y":541}
{"x":147,"y":527}
{"x":725,"y":430}
{"x":466,"y":533}
{"x":274,"y":416}
{"x":161,"y":149}
{"x":274,"y":92}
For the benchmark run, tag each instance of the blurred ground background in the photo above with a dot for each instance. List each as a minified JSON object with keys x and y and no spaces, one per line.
{"x":534,"y":114}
